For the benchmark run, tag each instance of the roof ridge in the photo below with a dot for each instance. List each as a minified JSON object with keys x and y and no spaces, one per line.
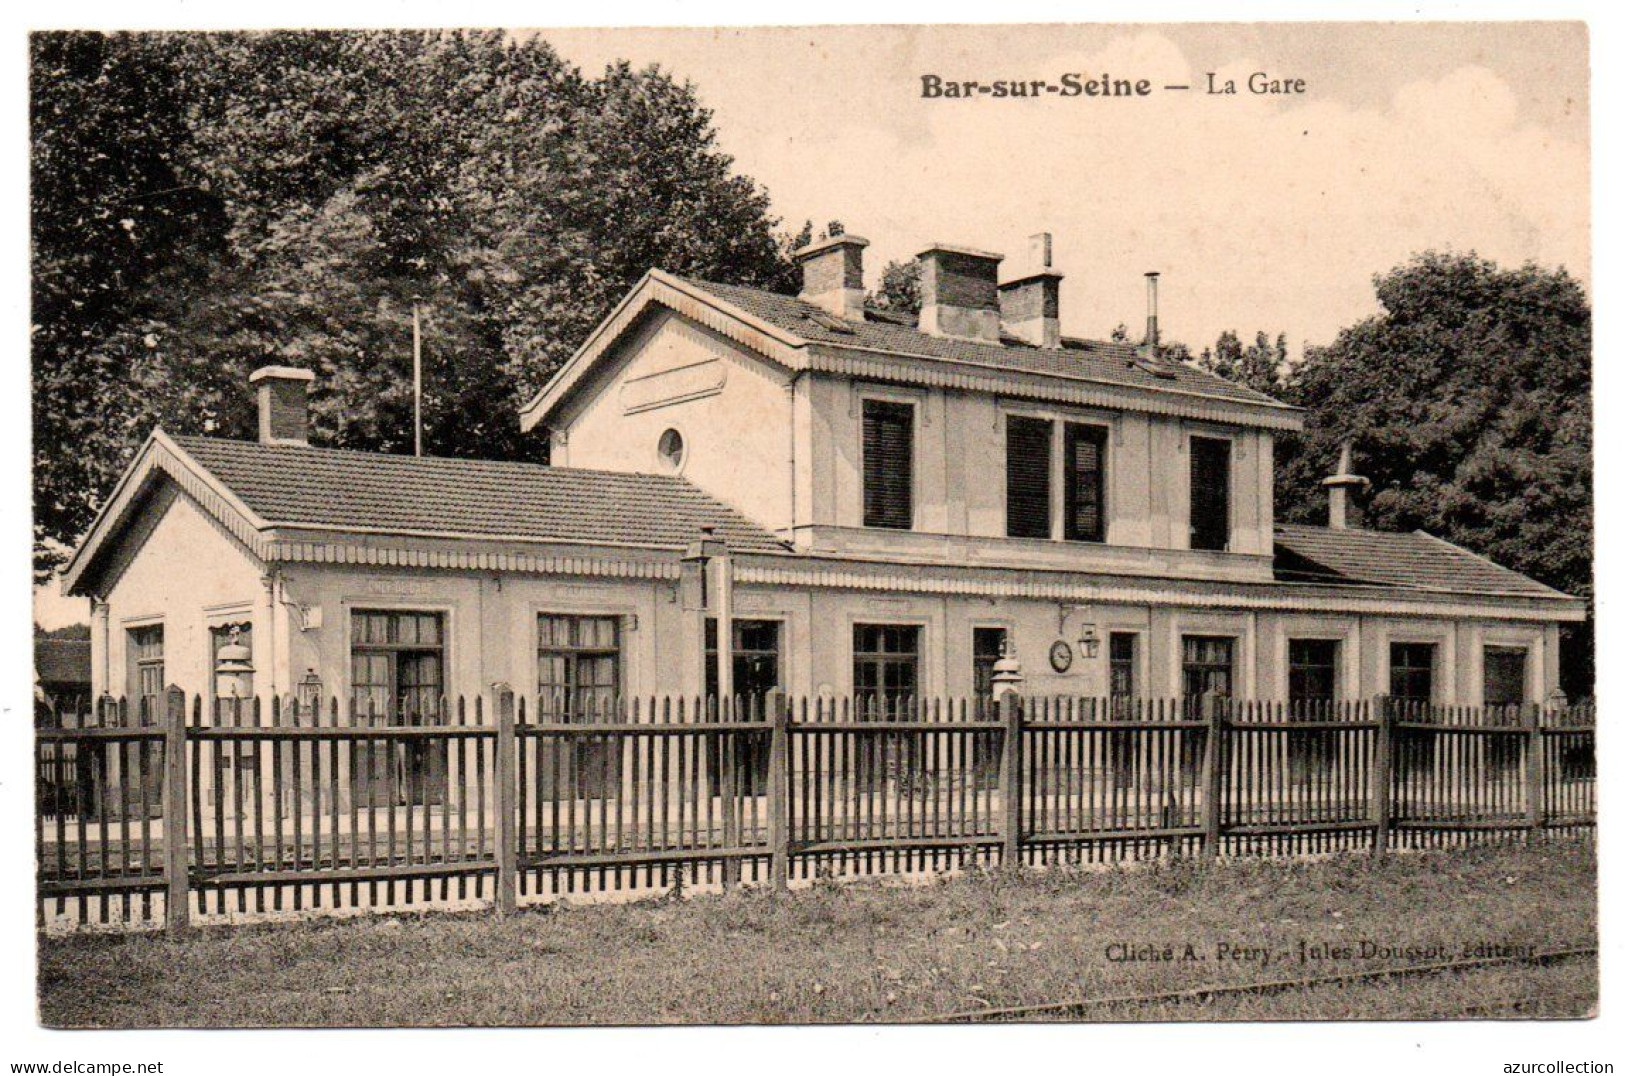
{"x":393,"y":457}
{"x":1205,"y":385}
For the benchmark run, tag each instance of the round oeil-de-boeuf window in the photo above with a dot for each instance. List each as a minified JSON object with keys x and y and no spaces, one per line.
{"x":671,"y":450}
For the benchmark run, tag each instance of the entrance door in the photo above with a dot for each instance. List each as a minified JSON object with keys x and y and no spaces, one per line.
{"x":756,"y":674}
{"x":1504,"y":671}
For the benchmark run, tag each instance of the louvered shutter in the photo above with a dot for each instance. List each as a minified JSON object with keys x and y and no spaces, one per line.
{"x":888,"y":464}
{"x":1210,"y":493}
{"x":1027,"y":455}
{"x":1086,"y":483}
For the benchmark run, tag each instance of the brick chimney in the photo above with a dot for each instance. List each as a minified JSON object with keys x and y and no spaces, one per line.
{"x":1030,"y":307}
{"x":832,"y":275}
{"x":959,"y":293}
{"x":1338,"y":508}
{"x":284,"y":407}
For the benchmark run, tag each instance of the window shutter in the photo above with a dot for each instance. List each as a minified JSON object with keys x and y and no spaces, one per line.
{"x":1086,"y":483}
{"x":1210,"y":493}
{"x":888,"y":464}
{"x":1027,"y":456}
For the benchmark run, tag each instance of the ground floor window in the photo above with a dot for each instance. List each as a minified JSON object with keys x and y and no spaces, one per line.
{"x":886,"y":682}
{"x":1209,"y":665}
{"x":145,"y":647}
{"x":1311,"y":688}
{"x":885,"y":668}
{"x":1410,"y":672}
{"x":397,"y":677}
{"x":987,"y":647}
{"x":1122,"y":747}
{"x":1505,"y":668}
{"x":578,"y":665}
{"x":1410,"y":685}
{"x":578,"y":679}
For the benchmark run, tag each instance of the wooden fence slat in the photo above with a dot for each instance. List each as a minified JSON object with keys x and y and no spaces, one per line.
{"x":778,"y":793}
{"x":177,"y":861}
{"x":1382,"y":780}
{"x":507,"y":881}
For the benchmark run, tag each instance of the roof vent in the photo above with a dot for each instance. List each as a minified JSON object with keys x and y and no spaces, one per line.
{"x":833,"y":324}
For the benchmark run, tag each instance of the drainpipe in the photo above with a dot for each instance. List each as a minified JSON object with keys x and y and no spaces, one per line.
{"x":100,"y":613}
{"x":712,"y":567}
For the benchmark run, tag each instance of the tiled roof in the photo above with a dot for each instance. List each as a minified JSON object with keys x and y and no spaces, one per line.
{"x":293,"y":485}
{"x":1088,"y":360}
{"x":62,"y":661}
{"x":1415,"y":561}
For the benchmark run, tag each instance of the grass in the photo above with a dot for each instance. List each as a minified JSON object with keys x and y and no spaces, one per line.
{"x":866,"y":952}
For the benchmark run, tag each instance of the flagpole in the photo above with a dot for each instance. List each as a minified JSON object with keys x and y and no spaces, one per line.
{"x":417,"y":382}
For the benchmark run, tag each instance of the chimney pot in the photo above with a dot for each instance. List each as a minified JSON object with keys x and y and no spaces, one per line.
{"x":832,"y":275}
{"x":1153,"y":334}
{"x":959,"y":292}
{"x":284,"y":404}
{"x":1030,"y":307}
{"x":1338,"y":486}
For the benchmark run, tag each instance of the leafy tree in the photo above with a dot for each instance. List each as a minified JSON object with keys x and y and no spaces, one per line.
{"x":1468,"y":400}
{"x":206,"y":203}
{"x":899,"y":290}
{"x":1260,"y":365}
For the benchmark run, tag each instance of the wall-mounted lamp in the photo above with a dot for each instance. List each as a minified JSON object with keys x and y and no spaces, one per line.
{"x":1089,"y":641}
{"x":307,"y":694}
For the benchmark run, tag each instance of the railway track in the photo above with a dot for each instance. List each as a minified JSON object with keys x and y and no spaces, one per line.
{"x":1079,"y":1006}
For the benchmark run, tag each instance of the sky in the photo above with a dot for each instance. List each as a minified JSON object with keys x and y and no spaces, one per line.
{"x":1261,"y":212}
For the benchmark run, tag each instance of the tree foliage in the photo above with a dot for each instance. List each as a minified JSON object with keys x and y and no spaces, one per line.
{"x":1261,"y":365}
{"x":899,"y":290}
{"x":1468,"y":401}
{"x":207,"y":203}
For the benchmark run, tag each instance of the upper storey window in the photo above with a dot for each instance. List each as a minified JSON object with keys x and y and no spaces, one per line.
{"x":1085,"y":483}
{"x":1030,"y":481}
{"x":1210,"y":493}
{"x":888,"y":464}
{"x":1027,"y":477}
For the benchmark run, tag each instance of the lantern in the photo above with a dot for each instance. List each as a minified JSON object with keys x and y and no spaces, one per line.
{"x":307,"y":694}
{"x":1089,"y":641}
{"x":234,"y":668}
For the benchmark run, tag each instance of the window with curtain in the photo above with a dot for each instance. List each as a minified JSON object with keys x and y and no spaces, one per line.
{"x":1085,"y":483}
{"x":888,"y":464}
{"x":145,"y":686}
{"x":1027,"y":476}
{"x":578,"y":664}
{"x":578,"y":679}
{"x":397,"y":677}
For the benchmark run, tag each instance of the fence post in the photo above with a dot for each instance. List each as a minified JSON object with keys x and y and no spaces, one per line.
{"x":1534,"y":769}
{"x":1382,"y":778}
{"x":177,"y":843}
{"x":778,"y":794}
{"x":1010,"y":778}
{"x":507,"y":880}
{"x":1212,"y":774}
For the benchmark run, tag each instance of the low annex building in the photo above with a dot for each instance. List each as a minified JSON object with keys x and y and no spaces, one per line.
{"x":879,"y":505}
